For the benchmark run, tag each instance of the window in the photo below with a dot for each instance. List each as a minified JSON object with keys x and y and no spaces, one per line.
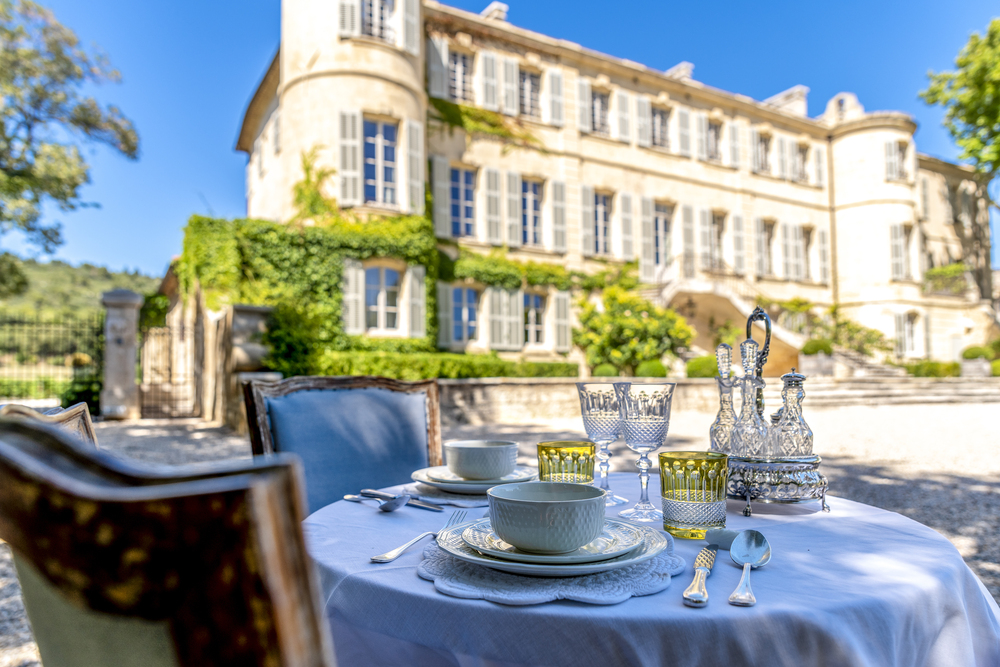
{"x":661,"y":234}
{"x":801,"y":159}
{"x":715,"y":244}
{"x":713,"y":142}
{"x":463,"y":306}
{"x":463,"y":186}
{"x":380,"y":162}
{"x":895,"y":160}
{"x":900,"y":251}
{"x":460,"y":76}
{"x":529,"y":94}
{"x":375,"y":19}
{"x":381,"y":298}
{"x":534,"y":324}
{"x":762,"y":155}
{"x":531,"y":206}
{"x":602,"y":213}
{"x":905,"y":325}
{"x":599,"y":113}
{"x":661,"y":125}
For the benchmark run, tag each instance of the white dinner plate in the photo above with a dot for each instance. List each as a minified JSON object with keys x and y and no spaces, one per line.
{"x":520,"y":474}
{"x":616,"y":539}
{"x":653,"y":544}
{"x":443,"y":474}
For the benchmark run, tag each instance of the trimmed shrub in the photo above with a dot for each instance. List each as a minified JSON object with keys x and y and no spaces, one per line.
{"x":651,"y":369}
{"x":934,"y":369}
{"x":995,"y":366}
{"x":977,"y":352}
{"x":605,"y":371}
{"x":702,"y":367}
{"x":86,"y":389}
{"x":995,"y":346}
{"x":817,"y":345}
{"x":421,"y":366}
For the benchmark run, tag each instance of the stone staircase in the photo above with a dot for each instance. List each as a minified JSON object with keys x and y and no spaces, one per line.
{"x":862,"y":366}
{"x":828,"y":392}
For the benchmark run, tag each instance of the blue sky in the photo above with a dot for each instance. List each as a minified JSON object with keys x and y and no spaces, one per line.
{"x":189,"y":69}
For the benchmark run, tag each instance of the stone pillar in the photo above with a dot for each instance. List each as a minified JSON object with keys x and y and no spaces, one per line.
{"x":120,"y":395}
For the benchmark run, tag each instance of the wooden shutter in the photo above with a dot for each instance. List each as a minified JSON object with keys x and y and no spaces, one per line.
{"x":628,"y":248}
{"x":417,"y":289}
{"x":786,"y":252}
{"x":624,"y":114}
{"x":444,"y":306}
{"x":587,"y":220}
{"x":647,"y":259}
{"x":515,"y":320}
{"x":895,"y":234}
{"x":437,"y":67}
{"x":701,"y":123}
{"x":891,"y":161}
{"x":705,"y":231}
{"x":798,"y":252}
{"x":497,"y":300}
{"x":564,"y":341}
{"x":349,"y":18}
{"x":687,"y":224}
{"x":739,"y":254}
{"x":927,"y":334}
{"x":824,"y":257}
{"x":684,"y":132}
{"x":350,"y":158}
{"x":494,"y":233}
{"x":511,"y":102}
{"x":734,"y":145}
{"x":556,"y":110}
{"x":782,"y":158}
{"x":411,"y":27}
{"x":353,"y":311}
{"x":911,"y":162}
{"x":488,"y":61}
{"x":415,"y":165}
{"x":558,"y":216}
{"x":643,"y":121}
{"x":925,"y":199}
{"x":760,"y":247}
{"x":513,"y":209}
{"x":754,"y":150}
{"x":441,"y":174}
{"x":820,"y":165}
{"x":583,"y":102}
{"x":900,"y":334}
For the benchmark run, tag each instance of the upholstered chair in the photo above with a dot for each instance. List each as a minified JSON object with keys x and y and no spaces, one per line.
{"x":130,"y":566}
{"x":74,"y":419}
{"x":351,"y":432}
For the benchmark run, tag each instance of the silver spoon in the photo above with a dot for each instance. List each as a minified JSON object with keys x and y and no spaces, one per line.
{"x":384,"y":505}
{"x":750,"y":549}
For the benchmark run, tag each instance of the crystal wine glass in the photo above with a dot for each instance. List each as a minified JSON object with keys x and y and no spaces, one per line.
{"x":645,"y":411}
{"x":599,"y":406}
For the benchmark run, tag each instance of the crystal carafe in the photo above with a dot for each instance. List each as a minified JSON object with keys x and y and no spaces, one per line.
{"x":750,"y":434}
{"x":721,"y":432}
{"x":791,"y":436}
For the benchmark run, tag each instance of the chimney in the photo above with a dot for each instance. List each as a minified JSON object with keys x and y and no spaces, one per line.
{"x":682,"y":70}
{"x":496,"y":11}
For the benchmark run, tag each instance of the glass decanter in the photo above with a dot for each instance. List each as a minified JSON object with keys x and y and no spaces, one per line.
{"x":721,"y":431}
{"x":750,"y":434}
{"x":792,"y":436}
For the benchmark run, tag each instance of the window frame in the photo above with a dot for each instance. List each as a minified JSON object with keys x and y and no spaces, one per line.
{"x":659,"y":139}
{"x":380,"y":162}
{"x":599,"y":113}
{"x":378,"y":26}
{"x":534,"y":318}
{"x":662,"y":234}
{"x":713,"y":141}
{"x":764,"y":154}
{"x":463,"y":307}
{"x":602,"y":232}
{"x":381,"y":308}
{"x":468,"y":64}
{"x":529,"y":89}
{"x":535,"y":239}
{"x":466,"y":202}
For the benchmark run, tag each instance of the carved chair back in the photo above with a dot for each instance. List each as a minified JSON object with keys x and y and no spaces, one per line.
{"x":122,"y":565}
{"x":74,"y":419}
{"x":351,"y":432}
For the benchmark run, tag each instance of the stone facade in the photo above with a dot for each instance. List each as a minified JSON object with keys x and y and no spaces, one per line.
{"x":723,"y":199}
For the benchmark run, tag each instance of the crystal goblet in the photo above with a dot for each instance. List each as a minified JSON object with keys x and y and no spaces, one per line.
{"x":601,"y":418}
{"x":645,"y":413}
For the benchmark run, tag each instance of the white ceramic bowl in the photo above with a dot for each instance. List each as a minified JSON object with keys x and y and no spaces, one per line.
{"x":547,"y":517}
{"x":481,"y":459}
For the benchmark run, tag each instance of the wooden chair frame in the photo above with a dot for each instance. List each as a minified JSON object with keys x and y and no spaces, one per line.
{"x":256,"y":393}
{"x":75,"y":419}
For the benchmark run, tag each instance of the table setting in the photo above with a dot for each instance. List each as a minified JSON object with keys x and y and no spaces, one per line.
{"x":484,"y":562}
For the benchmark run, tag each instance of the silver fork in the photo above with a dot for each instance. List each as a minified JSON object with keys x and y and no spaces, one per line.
{"x":456,"y":518}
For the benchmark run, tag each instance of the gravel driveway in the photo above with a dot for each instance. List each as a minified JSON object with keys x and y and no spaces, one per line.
{"x":937,"y":464}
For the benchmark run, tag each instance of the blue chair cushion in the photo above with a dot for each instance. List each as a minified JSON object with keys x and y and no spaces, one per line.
{"x":351,"y":439}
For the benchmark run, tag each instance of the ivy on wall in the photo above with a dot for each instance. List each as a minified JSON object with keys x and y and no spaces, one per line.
{"x":497,"y":270}
{"x":481,"y":122}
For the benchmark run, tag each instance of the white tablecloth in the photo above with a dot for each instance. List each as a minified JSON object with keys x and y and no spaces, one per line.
{"x":858,"y":586}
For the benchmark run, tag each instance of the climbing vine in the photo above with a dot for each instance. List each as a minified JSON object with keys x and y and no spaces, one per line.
{"x":481,"y":122}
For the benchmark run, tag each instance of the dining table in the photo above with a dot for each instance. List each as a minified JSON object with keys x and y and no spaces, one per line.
{"x":854,"y":586}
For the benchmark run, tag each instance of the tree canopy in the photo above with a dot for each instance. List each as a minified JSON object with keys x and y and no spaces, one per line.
{"x":44,"y":115}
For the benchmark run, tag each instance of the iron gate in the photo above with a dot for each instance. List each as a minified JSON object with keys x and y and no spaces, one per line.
{"x":166,"y":385}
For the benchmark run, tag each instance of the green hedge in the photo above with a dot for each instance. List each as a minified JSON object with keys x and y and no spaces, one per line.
{"x":38,"y":388}
{"x":605,"y":371}
{"x":817,"y":345}
{"x":402,"y":366}
{"x":702,"y":367}
{"x":651,"y":369}
{"x":995,"y":366}
{"x":977,"y":352}
{"x":934,"y":369}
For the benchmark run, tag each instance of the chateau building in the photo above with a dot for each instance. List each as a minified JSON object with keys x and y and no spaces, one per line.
{"x":723,"y":199}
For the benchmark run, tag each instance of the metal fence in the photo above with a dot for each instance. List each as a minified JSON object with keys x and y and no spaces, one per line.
{"x":43,"y":358}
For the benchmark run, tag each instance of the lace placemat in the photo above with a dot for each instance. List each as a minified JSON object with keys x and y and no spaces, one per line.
{"x":427,"y":492}
{"x":457,"y":578}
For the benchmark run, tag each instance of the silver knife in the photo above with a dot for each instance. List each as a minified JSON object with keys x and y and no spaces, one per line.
{"x":422,"y":504}
{"x":696,"y":595}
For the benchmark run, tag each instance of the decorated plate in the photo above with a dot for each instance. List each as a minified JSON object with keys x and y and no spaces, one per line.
{"x":617,"y":539}
{"x":653,"y":544}
{"x":520,"y":474}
